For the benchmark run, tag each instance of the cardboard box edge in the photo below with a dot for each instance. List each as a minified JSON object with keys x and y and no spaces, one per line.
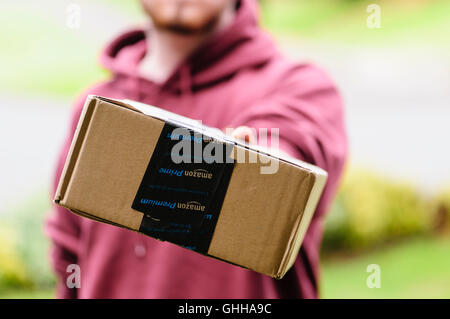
{"x":75,"y":146}
{"x":301,"y":227}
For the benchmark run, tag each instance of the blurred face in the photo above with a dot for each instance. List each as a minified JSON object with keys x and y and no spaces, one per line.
{"x":185,"y":16}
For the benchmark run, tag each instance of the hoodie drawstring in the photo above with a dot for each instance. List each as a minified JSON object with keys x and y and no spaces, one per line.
{"x":186,"y":87}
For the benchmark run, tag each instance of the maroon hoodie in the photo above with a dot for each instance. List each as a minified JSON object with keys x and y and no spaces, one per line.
{"x":236,"y":78}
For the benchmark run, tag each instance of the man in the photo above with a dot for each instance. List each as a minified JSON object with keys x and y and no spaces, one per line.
{"x":208,"y":60}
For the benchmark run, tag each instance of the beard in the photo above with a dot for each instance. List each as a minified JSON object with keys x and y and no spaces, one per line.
{"x":184,"y":19}
{"x":183,"y":28}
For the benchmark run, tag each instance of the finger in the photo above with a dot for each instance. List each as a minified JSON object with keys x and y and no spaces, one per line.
{"x":245,"y":134}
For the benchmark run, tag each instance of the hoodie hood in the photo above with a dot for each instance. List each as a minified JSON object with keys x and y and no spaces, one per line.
{"x":240,"y":46}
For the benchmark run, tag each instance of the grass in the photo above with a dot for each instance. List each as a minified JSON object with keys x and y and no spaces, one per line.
{"x":27,"y":294}
{"x":414,"y":268}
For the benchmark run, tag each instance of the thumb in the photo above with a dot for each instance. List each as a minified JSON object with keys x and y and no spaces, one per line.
{"x":245,"y":134}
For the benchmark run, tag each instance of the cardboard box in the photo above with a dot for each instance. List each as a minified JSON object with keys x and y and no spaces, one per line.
{"x":120,"y":170}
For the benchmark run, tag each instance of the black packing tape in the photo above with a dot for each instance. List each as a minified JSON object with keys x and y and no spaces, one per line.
{"x":181,"y":201}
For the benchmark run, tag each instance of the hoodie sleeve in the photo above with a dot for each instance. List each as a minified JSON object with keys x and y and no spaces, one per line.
{"x":306,"y":108}
{"x":61,"y":226}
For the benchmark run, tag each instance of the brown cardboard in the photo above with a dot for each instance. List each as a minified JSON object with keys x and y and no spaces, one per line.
{"x":263,"y":217}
